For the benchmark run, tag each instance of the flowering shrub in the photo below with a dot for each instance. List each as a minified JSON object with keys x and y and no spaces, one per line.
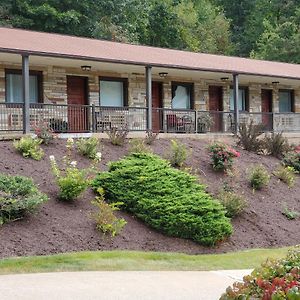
{"x":292,"y":159}
{"x":274,"y":280}
{"x":71,"y":180}
{"x":45,"y":133}
{"x":222,"y":156}
{"x":29,"y":147}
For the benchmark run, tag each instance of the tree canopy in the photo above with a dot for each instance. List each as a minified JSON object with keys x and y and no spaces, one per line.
{"x":264,"y":29}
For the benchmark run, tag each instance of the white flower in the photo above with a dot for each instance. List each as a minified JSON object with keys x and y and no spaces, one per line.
{"x":70,"y":141}
{"x":98,"y":156}
{"x":73,"y":163}
{"x":52,"y":158}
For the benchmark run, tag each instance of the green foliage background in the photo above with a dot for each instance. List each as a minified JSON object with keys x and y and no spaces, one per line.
{"x":264,"y":29}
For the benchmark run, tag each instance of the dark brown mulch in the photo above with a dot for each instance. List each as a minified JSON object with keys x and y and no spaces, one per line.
{"x":63,"y":227}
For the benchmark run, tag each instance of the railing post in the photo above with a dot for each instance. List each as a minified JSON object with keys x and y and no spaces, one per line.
{"x":93,"y":118}
{"x":196,"y":121}
{"x":236,"y":99}
{"x":149,"y":96}
{"x":25,"y":85}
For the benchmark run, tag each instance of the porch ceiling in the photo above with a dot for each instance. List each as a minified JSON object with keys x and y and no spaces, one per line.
{"x":104,"y":67}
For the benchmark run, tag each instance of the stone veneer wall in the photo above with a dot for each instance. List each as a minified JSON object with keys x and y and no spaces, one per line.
{"x":55,"y":88}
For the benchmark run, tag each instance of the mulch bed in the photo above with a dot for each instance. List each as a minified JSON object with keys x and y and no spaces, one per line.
{"x":64,"y":227}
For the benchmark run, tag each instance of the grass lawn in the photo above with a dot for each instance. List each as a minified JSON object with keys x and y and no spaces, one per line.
{"x":137,"y":261}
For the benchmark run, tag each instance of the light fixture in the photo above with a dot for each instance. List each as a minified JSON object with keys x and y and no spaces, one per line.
{"x":224,"y":79}
{"x":163,"y":74}
{"x":86,"y":68}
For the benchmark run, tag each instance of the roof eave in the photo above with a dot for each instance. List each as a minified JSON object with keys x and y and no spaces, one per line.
{"x":136,"y":63}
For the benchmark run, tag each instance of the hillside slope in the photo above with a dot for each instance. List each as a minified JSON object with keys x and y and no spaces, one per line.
{"x":62,"y":227}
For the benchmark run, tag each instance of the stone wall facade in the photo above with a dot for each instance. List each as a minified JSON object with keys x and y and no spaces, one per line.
{"x":55,"y":88}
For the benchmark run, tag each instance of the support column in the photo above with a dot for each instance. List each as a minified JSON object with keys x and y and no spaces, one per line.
{"x":235,"y":101}
{"x":149,"y":96}
{"x":25,"y":85}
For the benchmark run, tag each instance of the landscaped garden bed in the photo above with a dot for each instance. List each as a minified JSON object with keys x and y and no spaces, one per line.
{"x":67,"y":226}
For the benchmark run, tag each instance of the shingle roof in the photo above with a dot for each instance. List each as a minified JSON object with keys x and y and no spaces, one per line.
{"x":56,"y":45}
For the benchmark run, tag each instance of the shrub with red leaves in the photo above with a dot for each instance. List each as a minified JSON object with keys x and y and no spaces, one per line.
{"x":274,"y":280}
{"x":44,"y":132}
{"x":222,"y":156}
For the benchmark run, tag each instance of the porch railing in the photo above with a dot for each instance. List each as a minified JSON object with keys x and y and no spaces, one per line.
{"x":11,"y":117}
{"x":89,"y":118}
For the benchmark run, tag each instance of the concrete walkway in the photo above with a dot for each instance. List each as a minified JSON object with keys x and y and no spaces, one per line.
{"x":118,"y":285}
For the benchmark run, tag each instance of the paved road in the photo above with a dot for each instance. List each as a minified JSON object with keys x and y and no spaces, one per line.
{"x":118,"y":285}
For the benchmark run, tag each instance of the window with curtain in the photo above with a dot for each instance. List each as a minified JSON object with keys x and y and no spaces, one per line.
{"x":286,"y":101}
{"x":112,"y":93}
{"x":181,"y":96}
{"x":242,"y":100}
{"x":14,"y":89}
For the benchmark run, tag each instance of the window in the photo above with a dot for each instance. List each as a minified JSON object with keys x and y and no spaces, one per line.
{"x":286,"y":101}
{"x":113,"y":92}
{"x":242,"y":100}
{"x":14,"y":88}
{"x":182,"y":95}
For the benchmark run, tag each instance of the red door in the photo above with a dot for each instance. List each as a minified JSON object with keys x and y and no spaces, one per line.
{"x":266,"y":109}
{"x":77,"y":97}
{"x":216,"y":107}
{"x":156,"y":103}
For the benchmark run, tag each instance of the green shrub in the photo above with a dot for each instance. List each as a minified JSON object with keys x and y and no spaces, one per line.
{"x":248,"y":137}
{"x":117,"y":136}
{"x":106,"y":221}
{"x":292,"y":159}
{"x":88,"y":147}
{"x":177,"y":154}
{"x":286,"y":175}
{"x":233,"y":203}
{"x":138,"y":146}
{"x":222,"y":156}
{"x":45,"y":133}
{"x":290,"y":213}
{"x":274,"y":280}
{"x":276,"y":145}
{"x":165,"y":198}
{"x":18,"y":196}
{"x":150,"y":137}
{"x":259,"y":177}
{"x":71,"y":180}
{"x":29,"y":147}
